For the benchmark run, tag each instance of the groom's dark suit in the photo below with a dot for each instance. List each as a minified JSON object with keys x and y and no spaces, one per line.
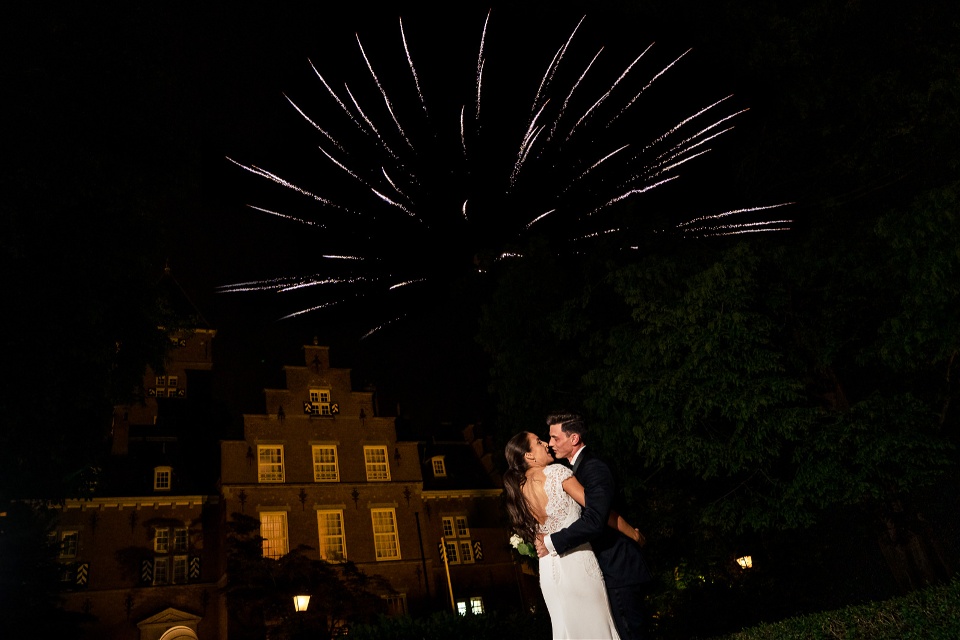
{"x":624,"y":569}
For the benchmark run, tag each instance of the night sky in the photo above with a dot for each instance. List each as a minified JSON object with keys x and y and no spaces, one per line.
{"x":152,"y":100}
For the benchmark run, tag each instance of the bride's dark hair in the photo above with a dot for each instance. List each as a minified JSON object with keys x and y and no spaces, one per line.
{"x":521,"y":518}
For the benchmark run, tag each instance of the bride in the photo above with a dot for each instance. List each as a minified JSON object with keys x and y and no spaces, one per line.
{"x":543,"y":497}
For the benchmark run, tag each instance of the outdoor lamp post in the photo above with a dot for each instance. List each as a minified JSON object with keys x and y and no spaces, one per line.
{"x":300,"y":603}
{"x":745,"y":562}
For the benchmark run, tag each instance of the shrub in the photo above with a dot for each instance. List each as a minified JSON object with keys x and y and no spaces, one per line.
{"x":929,"y":614}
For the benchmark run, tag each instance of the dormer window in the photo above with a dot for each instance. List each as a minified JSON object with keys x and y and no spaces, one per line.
{"x":438,"y":466}
{"x":319,"y":404}
{"x":161,"y":478}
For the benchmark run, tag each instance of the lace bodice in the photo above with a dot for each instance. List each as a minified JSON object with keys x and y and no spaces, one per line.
{"x":561,"y":509}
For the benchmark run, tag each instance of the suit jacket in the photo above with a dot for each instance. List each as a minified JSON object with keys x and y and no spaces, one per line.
{"x":620,"y":558}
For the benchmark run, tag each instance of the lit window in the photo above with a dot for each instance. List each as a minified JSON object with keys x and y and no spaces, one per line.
{"x":385,"y":534}
{"x":270,"y":466}
{"x":161,"y":478}
{"x":69,"y":543}
{"x":396,"y":604}
{"x":330,"y":525}
{"x":474,"y":606}
{"x":325,"y":463}
{"x":273,"y":530}
{"x":161,"y":540}
{"x":447,"y":527}
{"x":161,"y":570}
{"x":451,"y":548}
{"x":320,"y":402}
{"x":376,"y":460}
{"x":439,"y":468}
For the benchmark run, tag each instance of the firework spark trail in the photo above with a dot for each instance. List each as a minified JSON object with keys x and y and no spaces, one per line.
{"x":286,"y":284}
{"x":413,"y":70}
{"x":539,"y":218}
{"x":677,"y":126}
{"x":566,"y":102}
{"x":533,"y":131}
{"x":340,"y":102}
{"x":724,"y":214}
{"x":314,"y":124}
{"x":620,"y":169}
{"x":678,"y":150}
{"x":381,"y":327}
{"x":631,"y":192}
{"x":395,"y":187}
{"x":370,"y":124}
{"x":289,"y":185}
{"x":287,"y":216}
{"x":552,"y":68}
{"x":743,"y":225}
{"x":386,"y":99}
{"x":404,"y":284}
{"x":481,"y":61}
{"x":594,"y":166}
{"x":742,"y":231}
{"x":606,"y":95}
{"x":325,"y":305}
{"x":647,"y":86}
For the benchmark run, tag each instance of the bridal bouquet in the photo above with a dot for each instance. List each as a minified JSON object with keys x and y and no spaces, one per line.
{"x":523,"y":548}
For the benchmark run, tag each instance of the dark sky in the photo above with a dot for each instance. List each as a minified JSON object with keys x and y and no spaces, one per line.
{"x":150,"y":100}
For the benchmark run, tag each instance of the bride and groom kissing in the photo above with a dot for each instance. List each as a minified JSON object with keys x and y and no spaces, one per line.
{"x":592,"y":569}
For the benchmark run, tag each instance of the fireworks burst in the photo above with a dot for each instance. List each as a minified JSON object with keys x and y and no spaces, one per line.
{"x":418,"y":189}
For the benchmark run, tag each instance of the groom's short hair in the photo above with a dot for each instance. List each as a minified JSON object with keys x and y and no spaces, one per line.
{"x":569,"y":421}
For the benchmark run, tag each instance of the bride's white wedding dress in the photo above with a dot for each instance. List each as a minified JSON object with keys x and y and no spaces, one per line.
{"x":572,"y":584}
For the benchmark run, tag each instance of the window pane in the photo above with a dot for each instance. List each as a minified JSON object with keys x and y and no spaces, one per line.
{"x":466,"y":552}
{"x":462,"y":529}
{"x":385,"y":534}
{"x":396,"y":604}
{"x":452,"y":553}
{"x":161,"y":541}
{"x":273,"y":530}
{"x":376,"y":459}
{"x":68,"y":544}
{"x":270,"y":463}
{"x":325,"y":464}
{"x":330,"y":524}
{"x":180,"y":569}
{"x":161,"y":571}
{"x":476,"y":605}
{"x":180,"y":539}
{"x":448,"y":527}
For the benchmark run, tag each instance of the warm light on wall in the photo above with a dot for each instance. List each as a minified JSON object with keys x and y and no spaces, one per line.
{"x":300,"y":603}
{"x":745,"y":562}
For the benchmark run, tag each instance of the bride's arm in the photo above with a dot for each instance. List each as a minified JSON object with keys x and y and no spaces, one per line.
{"x":575,"y":490}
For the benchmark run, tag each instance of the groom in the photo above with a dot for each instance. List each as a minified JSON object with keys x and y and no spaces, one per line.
{"x":624,"y":569}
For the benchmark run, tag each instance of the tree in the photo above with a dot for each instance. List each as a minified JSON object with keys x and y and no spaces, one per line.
{"x":260,"y":590}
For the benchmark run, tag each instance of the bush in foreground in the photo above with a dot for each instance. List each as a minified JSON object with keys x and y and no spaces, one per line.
{"x":930,"y":614}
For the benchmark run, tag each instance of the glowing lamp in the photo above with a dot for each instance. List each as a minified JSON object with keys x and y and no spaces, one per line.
{"x":745,"y":562}
{"x":300,"y":603}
